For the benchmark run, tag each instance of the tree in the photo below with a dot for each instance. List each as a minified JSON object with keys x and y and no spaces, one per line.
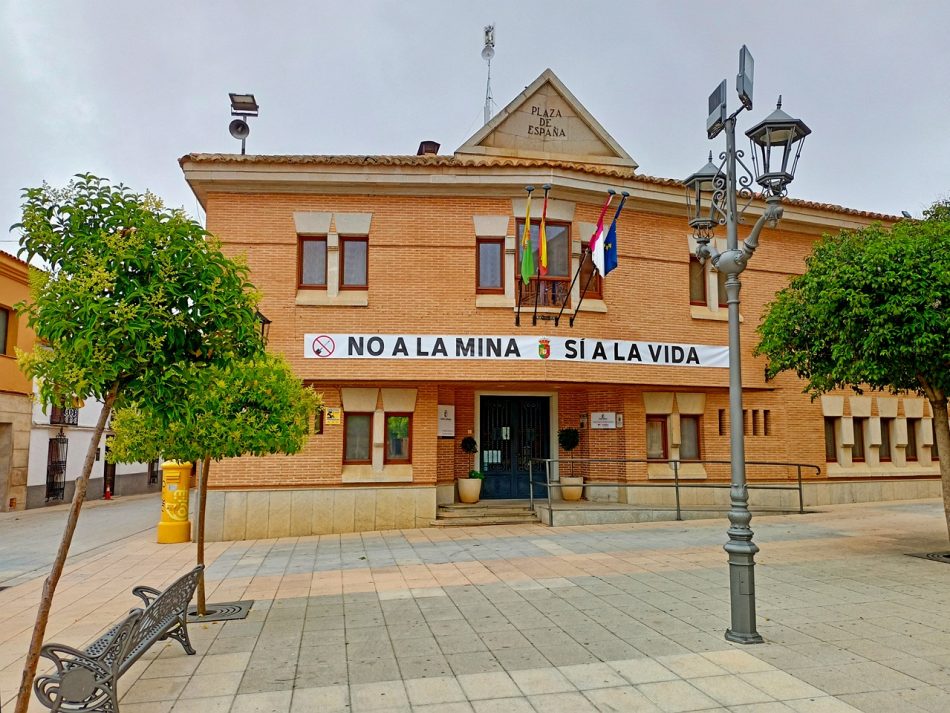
{"x":249,"y":407}
{"x":133,"y":297}
{"x":872,"y":310}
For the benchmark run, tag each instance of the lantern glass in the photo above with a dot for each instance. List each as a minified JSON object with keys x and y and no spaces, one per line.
{"x":776,"y":146}
{"x":700,"y":190}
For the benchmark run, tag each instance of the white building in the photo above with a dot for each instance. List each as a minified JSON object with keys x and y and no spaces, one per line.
{"x":59,"y":440}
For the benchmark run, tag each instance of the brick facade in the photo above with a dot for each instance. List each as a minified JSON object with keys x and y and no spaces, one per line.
{"x":423,"y":215}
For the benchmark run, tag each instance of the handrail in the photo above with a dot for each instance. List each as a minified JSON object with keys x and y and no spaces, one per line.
{"x":676,"y":484}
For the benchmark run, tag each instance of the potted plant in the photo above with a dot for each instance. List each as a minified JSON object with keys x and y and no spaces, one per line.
{"x":470,"y":488}
{"x":571,"y":487}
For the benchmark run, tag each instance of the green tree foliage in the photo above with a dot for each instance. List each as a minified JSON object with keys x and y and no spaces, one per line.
{"x":248,"y":407}
{"x":872,"y":310}
{"x":135,"y":296}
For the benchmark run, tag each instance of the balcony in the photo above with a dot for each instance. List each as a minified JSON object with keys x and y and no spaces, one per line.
{"x":64,"y":416}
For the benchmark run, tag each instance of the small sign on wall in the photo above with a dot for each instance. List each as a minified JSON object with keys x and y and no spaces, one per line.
{"x":333,"y":416}
{"x":446,"y":421}
{"x":603,"y":420}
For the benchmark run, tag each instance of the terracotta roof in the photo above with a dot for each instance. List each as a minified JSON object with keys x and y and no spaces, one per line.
{"x":437,"y":161}
{"x":13,"y":257}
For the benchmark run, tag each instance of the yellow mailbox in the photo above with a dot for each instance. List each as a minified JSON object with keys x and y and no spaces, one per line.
{"x":175,"y":526}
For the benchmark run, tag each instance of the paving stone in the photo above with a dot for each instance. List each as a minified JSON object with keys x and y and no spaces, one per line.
{"x":423,"y":691}
{"x":478,"y":686}
{"x":676,"y":696}
{"x":325,"y":699}
{"x":378,"y":696}
{"x":621,"y":699}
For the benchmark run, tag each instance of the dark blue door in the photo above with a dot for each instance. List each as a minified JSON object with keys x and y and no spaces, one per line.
{"x":514,"y":429}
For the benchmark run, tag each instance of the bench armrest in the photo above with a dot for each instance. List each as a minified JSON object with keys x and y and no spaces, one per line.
{"x":146,"y":594}
{"x":60,"y":654}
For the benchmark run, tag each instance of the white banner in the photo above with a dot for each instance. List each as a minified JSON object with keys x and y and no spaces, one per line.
{"x":451,"y":346}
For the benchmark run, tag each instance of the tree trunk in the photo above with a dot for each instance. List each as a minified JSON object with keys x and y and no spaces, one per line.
{"x":942,"y":436}
{"x":204,"y":468}
{"x":938,"y":403}
{"x":49,"y":587}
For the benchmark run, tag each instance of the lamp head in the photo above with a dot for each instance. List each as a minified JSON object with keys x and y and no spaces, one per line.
{"x":700,"y":189}
{"x":776,"y":145}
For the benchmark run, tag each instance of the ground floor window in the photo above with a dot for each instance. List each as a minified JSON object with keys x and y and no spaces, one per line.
{"x":831,"y":443}
{"x":657,"y":441}
{"x":884,"y":452}
{"x":398,"y":435}
{"x":857,"y":450}
{"x":911,"y":451}
{"x":357,"y":437}
{"x":690,"y":438}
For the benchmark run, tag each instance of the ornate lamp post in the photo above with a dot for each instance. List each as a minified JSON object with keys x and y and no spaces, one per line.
{"x":713,"y":195}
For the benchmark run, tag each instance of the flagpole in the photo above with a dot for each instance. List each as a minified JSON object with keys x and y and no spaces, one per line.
{"x":584,"y":253}
{"x":583,"y":292}
{"x":526,"y":236}
{"x":541,"y":236}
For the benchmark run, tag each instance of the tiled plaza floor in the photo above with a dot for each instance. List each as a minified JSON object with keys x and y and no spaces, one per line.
{"x":619,"y":618}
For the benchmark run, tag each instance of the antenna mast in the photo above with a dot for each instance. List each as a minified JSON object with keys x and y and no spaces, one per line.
{"x":488,"y":51}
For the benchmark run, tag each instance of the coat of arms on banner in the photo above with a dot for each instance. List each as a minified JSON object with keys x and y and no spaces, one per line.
{"x":544,"y":348}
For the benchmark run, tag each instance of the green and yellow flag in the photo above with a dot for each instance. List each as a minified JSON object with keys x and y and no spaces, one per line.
{"x":527,"y":255}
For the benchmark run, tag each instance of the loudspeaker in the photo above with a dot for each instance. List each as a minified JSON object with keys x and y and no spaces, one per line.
{"x":239,"y":129}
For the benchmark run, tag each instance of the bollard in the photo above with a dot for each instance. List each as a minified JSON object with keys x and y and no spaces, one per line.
{"x":175,"y":526}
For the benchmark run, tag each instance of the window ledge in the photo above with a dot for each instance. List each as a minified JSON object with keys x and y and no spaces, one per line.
{"x":366,"y":474}
{"x":493,"y":301}
{"x":716,"y":315}
{"x":593,"y":305}
{"x":664,"y":471}
{"x":345,"y":298}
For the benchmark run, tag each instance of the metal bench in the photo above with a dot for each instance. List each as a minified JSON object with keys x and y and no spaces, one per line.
{"x":87,"y":680}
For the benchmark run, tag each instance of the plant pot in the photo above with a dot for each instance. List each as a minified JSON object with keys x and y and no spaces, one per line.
{"x":572,"y":487}
{"x":470,"y":489}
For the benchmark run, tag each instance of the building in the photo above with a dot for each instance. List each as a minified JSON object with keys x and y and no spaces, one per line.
{"x":59,"y":440}
{"x":392,"y":286}
{"x":15,"y":388}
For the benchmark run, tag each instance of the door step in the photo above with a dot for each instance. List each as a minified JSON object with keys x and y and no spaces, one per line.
{"x":462,"y":515}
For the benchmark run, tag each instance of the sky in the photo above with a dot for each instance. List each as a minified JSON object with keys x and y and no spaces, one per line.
{"x":123,"y":89}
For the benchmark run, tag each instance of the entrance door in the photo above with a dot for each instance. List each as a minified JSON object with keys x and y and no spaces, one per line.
{"x":514,"y":429}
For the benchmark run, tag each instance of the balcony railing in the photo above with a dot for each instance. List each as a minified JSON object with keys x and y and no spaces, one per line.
{"x":553,"y":292}
{"x":64,"y":416}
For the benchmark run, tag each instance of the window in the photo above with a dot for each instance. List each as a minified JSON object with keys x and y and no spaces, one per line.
{"x":934,"y":453}
{"x":556,"y":283}
{"x":490,"y":265}
{"x":357,"y":437}
{"x":697,"y":282}
{"x":721,"y":287}
{"x":767,"y":422}
{"x":353,"y":253}
{"x":4,"y":327}
{"x":398,"y":438}
{"x":63,"y":416}
{"x":884,"y":452}
{"x":689,"y":438}
{"x":756,"y":429}
{"x":722,"y":422}
{"x":831,"y":443}
{"x":911,"y":451}
{"x":594,"y":285}
{"x":656,"y":438}
{"x":857,"y":450}
{"x":699,"y":276}
{"x":312,"y":263}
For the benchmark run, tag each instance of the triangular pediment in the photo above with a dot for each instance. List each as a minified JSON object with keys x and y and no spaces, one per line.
{"x":547,"y":122}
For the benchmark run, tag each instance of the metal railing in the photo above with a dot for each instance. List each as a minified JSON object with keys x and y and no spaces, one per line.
{"x":677,"y":484}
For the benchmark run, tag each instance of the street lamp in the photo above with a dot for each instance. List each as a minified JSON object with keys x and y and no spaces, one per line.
{"x":712,"y":199}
